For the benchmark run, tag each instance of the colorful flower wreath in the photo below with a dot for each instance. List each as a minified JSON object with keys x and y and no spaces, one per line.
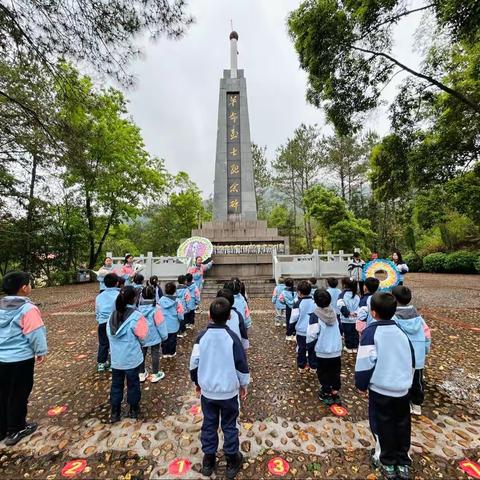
{"x":382,"y":265}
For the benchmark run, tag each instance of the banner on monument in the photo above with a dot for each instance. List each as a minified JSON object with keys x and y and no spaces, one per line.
{"x":195,"y":247}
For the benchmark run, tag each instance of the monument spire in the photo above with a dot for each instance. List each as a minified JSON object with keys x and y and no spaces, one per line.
{"x":233,"y":54}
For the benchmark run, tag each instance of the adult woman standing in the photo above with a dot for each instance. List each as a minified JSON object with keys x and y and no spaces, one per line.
{"x":198,"y":271}
{"x":129,"y":269}
{"x":104,"y":270}
{"x":402,"y":267}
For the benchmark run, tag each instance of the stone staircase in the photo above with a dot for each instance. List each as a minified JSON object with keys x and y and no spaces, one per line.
{"x":258,"y":287}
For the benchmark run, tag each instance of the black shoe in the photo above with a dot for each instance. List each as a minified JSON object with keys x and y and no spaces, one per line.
{"x":134,"y":411}
{"x":234,"y":464}
{"x":208,"y":464}
{"x":403,"y":472}
{"x":326,"y":398}
{"x":115,"y":416}
{"x":336,"y":399}
{"x":14,"y":438}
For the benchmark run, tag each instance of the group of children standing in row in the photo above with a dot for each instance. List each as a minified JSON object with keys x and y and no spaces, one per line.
{"x":390,"y":339}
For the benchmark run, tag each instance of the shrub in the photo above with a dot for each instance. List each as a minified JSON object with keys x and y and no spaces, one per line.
{"x":477,"y":263}
{"x":434,"y":263}
{"x":414,"y":262}
{"x":461,"y":262}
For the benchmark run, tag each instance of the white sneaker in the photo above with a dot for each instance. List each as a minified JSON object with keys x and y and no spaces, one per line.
{"x":181,"y":335}
{"x":156,"y":377}
{"x":415,"y":409}
{"x":345,"y":349}
{"x":354,"y":350}
{"x":143,"y":376}
{"x":170,"y":355}
{"x":277,"y":324}
{"x":189,"y":326}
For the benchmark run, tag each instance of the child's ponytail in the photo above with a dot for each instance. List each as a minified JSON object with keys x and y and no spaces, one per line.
{"x":126,"y":297}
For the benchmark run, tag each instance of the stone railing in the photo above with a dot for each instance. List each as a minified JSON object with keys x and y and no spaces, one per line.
{"x":166,"y":268}
{"x":310,"y":265}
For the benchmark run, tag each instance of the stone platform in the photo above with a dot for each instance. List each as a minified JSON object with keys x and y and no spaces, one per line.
{"x":235,"y":236}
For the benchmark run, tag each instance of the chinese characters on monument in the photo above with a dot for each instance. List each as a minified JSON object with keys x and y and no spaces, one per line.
{"x":234,"y":186}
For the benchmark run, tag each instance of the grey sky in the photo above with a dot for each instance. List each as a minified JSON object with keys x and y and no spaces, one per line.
{"x":176,"y":96}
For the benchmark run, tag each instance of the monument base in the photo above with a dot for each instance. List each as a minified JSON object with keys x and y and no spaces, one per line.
{"x":242,"y":248}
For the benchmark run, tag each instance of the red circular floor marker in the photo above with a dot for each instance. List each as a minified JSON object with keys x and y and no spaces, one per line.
{"x":278,"y":466}
{"x":195,"y":410}
{"x":470,"y":468}
{"x":73,"y":468}
{"x":179,"y":466}
{"x":57,"y":410}
{"x":338,"y":410}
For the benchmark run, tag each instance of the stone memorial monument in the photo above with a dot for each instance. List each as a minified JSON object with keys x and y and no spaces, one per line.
{"x":242,"y":244}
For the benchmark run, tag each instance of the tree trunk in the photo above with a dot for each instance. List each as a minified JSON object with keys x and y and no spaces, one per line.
{"x":91,"y":229}
{"x":27,"y":259}
{"x":342,"y":182}
{"x":104,"y":236}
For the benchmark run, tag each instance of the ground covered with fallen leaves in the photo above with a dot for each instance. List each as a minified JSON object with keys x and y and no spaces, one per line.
{"x":282,"y":415}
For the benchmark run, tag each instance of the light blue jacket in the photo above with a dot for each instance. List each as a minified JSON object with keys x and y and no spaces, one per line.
{"x":103,"y":272}
{"x":172,"y":311}
{"x":301,"y":314}
{"x":194,"y":292}
{"x":218,"y":364}
{"x":334,"y":293}
{"x":22,"y":332}
{"x":183,"y":296}
{"x":157,"y":326}
{"x":125,"y":339}
{"x":364,"y":313}
{"x":241,"y":306}
{"x":323,"y":330}
{"x":287,"y":297}
{"x":416,"y":330}
{"x":236,"y":324}
{"x":385,"y":360}
{"x":347,"y":303}
{"x":276,"y":297}
{"x":105,"y":304}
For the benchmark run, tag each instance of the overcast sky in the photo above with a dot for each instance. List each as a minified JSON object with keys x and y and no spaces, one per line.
{"x":175,"y":100}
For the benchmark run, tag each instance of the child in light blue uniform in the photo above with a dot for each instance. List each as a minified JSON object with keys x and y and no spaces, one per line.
{"x":348,"y":303}
{"x":173,"y":312}
{"x":194,"y":301}
{"x":334,"y":292}
{"x":235,"y":323}
{"x":384,"y":367}
{"x":104,"y":307}
{"x":183,"y":296}
{"x":126,"y":329}
{"x":324,"y":333}
{"x":157,"y":333}
{"x":219,"y":368}
{"x":278,"y":304}
{"x":302,"y":309}
{"x":23,"y":341}
{"x":287,"y":297}
{"x":364,"y":316}
{"x":414,"y":326}
{"x":240,"y":304}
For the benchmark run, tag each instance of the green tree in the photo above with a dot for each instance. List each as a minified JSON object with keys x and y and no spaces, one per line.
{"x":104,"y":158}
{"x":262,"y":176}
{"x":296,"y":169}
{"x":166,"y":225}
{"x":345,"y":47}
{"x":351,"y":233}
{"x":325,"y":206}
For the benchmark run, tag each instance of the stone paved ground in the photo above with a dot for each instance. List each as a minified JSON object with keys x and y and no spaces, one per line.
{"x":281,"y":415}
